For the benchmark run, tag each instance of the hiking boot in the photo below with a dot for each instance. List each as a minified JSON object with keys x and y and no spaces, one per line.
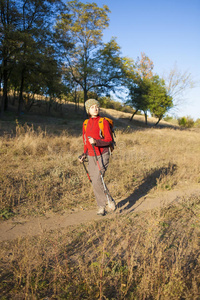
{"x":111,"y":205}
{"x":101,"y":211}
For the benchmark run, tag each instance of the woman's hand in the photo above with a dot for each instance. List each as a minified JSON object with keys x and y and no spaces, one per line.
{"x":91,"y":140}
{"x":82,"y":158}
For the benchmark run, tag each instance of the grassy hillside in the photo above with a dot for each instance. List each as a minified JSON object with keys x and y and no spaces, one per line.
{"x":152,"y":254}
{"x":40,"y":170}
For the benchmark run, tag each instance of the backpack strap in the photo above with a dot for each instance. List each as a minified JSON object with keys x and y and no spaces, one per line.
{"x":85,"y":126}
{"x":101,"y":125}
{"x":101,"y":128}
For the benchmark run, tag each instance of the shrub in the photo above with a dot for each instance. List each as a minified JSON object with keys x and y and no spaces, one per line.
{"x":197,"y":123}
{"x":187,"y":122}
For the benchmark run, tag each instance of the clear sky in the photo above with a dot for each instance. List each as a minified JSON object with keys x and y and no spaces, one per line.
{"x":167,"y":31}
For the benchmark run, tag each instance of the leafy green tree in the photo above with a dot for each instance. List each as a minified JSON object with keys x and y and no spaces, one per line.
{"x":85,"y":32}
{"x":150,"y":95}
{"x":92,"y":65}
{"x":137,"y":82}
{"x":109,"y":69}
{"x":159,"y":101}
{"x":36,"y":36}
{"x":138,"y":96}
{"x":147,"y":92}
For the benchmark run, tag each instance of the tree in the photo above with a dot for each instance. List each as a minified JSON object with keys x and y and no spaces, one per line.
{"x":138,"y":97}
{"x":146,"y":92}
{"x":89,"y":63}
{"x":108,"y":69}
{"x":26,"y":33}
{"x":138,"y":82}
{"x":144,"y":66}
{"x":35,"y":37}
{"x":150,"y":95}
{"x":85,"y":32}
{"x":159,"y":101}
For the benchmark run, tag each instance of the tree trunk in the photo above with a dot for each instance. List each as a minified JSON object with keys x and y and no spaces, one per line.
{"x":21,"y":93}
{"x":4,"y":100}
{"x":85,"y":99}
{"x":78,"y":102}
{"x":135,"y":112}
{"x":49,"y":105}
{"x":145,"y":115}
{"x":158,"y":121}
{"x":75,"y":99}
{"x":14,"y":98}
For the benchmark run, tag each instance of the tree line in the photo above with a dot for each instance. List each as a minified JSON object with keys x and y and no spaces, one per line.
{"x":56,"y":50}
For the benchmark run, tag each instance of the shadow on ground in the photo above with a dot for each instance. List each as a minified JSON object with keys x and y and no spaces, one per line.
{"x":148,"y":183}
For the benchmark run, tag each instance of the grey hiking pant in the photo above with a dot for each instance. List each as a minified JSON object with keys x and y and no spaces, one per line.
{"x":96,"y":177}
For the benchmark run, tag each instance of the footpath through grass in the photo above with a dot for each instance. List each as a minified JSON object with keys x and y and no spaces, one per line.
{"x":150,"y":255}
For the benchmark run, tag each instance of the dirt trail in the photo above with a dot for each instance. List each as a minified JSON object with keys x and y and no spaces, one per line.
{"x":19,"y":227}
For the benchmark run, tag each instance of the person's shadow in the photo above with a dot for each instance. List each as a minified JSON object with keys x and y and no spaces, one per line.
{"x":148,"y":183}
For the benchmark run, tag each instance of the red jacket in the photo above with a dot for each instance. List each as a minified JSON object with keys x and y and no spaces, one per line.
{"x":92,"y":130}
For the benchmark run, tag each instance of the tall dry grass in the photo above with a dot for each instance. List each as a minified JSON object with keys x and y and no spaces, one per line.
{"x":40,"y":170}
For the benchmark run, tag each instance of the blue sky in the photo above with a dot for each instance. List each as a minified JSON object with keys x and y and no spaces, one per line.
{"x":167,"y":31}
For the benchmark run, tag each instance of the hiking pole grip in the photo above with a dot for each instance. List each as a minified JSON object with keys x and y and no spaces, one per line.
{"x":85,"y":168}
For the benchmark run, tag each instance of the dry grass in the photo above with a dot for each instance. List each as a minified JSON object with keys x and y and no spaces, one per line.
{"x":150,"y":255}
{"x":40,"y":169}
{"x":165,"y":157}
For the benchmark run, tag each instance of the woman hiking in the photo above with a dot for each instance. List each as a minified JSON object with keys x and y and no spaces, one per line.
{"x":96,"y":147}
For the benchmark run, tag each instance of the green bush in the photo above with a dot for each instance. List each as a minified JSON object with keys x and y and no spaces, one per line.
{"x":197,"y":123}
{"x":187,"y":122}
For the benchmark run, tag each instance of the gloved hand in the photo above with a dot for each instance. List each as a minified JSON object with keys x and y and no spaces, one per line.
{"x":82,"y":157}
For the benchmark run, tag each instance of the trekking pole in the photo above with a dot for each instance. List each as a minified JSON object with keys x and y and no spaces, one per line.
{"x":86,"y":170}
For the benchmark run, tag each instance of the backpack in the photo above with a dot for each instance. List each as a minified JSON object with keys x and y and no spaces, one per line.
{"x":101,"y":130}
